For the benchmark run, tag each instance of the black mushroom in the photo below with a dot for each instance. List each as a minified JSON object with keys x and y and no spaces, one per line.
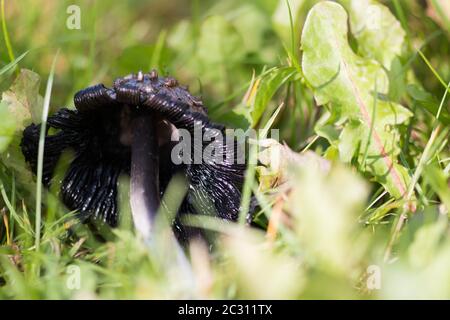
{"x":130,"y":129}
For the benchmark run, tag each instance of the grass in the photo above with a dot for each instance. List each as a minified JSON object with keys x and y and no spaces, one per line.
{"x":328,"y":228}
{"x":48,"y":92}
{"x":5,"y":33}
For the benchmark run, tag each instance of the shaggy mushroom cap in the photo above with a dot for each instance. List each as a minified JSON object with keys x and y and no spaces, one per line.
{"x":100,"y":132}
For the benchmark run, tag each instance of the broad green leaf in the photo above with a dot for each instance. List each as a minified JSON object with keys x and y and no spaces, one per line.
{"x":350,"y":140}
{"x":7,"y":127}
{"x":23,"y":99}
{"x":397,"y":80}
{"x":351,"y":86}
{"x":379,"y":34}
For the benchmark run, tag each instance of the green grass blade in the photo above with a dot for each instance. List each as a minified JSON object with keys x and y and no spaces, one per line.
{"x":12,"y":64}
{"x":5,"y":34}
{"x":426,"y":155}
{"x":40,"y":161}
{"x":428,"y":63}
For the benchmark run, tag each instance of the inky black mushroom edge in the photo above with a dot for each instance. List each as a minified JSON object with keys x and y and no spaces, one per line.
{"x":99,"y":132}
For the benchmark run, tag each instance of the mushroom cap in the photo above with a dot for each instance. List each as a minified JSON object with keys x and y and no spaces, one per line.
{"x":134,"y":90}
{"x":140,"y":86}
{"x":95,"y":131}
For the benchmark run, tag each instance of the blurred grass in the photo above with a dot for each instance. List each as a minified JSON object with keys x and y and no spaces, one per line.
{"x":331,"y":225}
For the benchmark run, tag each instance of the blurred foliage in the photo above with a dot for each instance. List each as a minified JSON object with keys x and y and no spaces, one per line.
{"x":350,"y":85}
{"x":332,"y":219}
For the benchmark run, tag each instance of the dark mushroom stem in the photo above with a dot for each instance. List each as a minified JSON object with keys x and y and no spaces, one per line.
{"x":144,"y":189}
{"x":144,"y":184}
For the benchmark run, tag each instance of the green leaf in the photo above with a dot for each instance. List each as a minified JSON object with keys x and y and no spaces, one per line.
{"x":380,"y":36}
{"x":7,"y":127}
{"x":238,"y":117}
{"x":427,"y":101}
{"x":397,"y":80}
{"x":269,"y":83}
{"x":351,"y":86}
{"x":438,"y":182}
{"x":349,"y":138}
{"x":328,"y":132}
{"x":23,"y":99}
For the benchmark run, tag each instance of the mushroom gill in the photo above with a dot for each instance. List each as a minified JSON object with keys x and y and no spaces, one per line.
{"x":127,"y":129}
